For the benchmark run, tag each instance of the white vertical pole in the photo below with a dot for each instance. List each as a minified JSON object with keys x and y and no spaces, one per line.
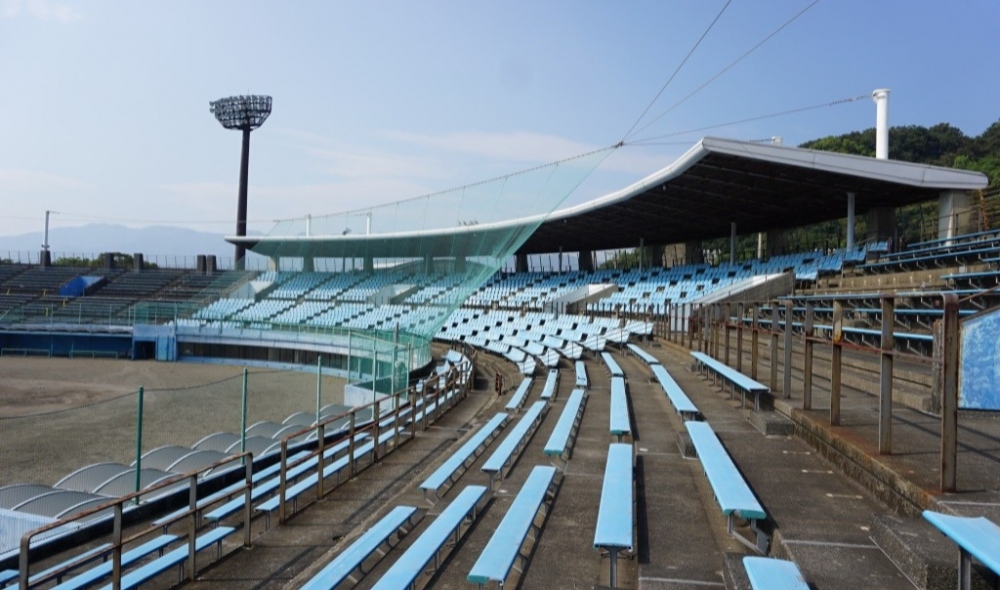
{"x":881,"y":98}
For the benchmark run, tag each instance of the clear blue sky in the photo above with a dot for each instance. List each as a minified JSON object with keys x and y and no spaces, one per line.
{"x":105,"y":104}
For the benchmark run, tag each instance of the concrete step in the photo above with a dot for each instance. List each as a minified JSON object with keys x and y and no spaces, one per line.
{"x":771,"y":423}
{"x":733,"y":572}
{"x":923,"y":554}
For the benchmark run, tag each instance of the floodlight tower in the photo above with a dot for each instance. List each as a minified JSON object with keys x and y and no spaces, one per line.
{"x":245,"y":113}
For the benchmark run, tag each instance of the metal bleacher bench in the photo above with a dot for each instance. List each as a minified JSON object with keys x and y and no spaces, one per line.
{"x":309,"y":482}
{"x":508,"y":450}
{"x":176,"y":557}
{"x":975,"y":536}
{"x":504,"y":547}
{"x":268,"y":486}
{"x":569,"y":421}
{"x":681,"y":402}
{"x":459,"y":458}
{"x":614,"y":530}
{"x":517,"y":400}
{"x":620,"y":423}
{"x":766,"y":573}
{"x":353,"y":557}
{"x":551,"y":384}
{"x":426,"y":547}
{"x":736,"y":379}
{"x":129,"y":557}
{"x":612,"y":365}
{"x":581,"y":375}
{"x":645,"y":356}
{"x":732,"y":492}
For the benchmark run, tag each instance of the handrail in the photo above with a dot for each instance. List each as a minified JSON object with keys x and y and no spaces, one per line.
{"x":117,"y":505}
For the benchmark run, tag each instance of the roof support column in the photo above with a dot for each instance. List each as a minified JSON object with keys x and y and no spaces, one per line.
{"x":369,"y":264}
{"x":560,"y":260}
{"x":521,"y":263}
{"x":732,"y":242}
{"x":882,"y":223}
{"x":693,"y":253}
{"x":850,"y":221}
{"x":586,"y":260}
{"x":954,"y":214}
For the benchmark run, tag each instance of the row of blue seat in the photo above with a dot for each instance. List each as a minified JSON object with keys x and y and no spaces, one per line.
{"x":581,"y":375}
{"x":614,"y":531}
{"x":620,"y":422}
{"x":517,"y":399}
{"x":508,"y":450}
{"x":460,"y":458}
{"x":736,"y":379}
{"x":613,"y":368}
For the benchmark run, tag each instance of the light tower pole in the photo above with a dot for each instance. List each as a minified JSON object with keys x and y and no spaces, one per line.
{"x":245,"y":113}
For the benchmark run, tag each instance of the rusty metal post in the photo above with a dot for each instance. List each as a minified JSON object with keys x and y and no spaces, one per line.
{"x":116,"y":550}
{"x":725,"y":326}
{"x":716,"y":311}
{"x":192,"y":564}
{"x":247,"y":499}
{"x":807,"y":361}
{"x":786,"y":381}
{"x":321,"y":450}
{"x":950,"y":358}
{"x":775,"y":318}
{"x":283,"y":481}
{"x":352,"y":430}
{"x":689,"y":328}
{"x":835,"y":362}
{"x":740,"y":312}
{"x":754,"y":342}
{"x":885,"y":380}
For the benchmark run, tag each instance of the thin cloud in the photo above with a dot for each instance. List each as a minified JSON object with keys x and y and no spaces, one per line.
{"x":40,"y":9}
{"x":16,"y":180}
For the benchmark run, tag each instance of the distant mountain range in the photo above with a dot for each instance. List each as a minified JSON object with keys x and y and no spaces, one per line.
{"x":91,"y":240}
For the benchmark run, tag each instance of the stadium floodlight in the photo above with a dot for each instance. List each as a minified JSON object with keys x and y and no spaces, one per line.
{"x":245,"y":113}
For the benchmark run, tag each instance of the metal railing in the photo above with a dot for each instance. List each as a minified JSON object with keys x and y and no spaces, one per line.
{"x":119,"y":538}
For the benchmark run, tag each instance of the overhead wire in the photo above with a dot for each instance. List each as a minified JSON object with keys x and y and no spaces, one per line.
{"x":730,"y":66}
{"x":649,"y":140}
{"x":678,"y":69}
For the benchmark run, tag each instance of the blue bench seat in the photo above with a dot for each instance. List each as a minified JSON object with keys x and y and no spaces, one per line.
{"x":614,"y":531}
{"x":175,"y":557}
{"x":732,"y":492}
{"x":976,"y":537}
{"x":411,"y":564}
{"x":581,"y":375}
{"x":736,"y":379}
{"x":268,"y":486}
{"x":619,"y":422}
{"x":645,"y":356}
{"x":517,"y":400}
{"x":681,"y":402}
{"x":444,"y":474}
{"x":504,"y":547}
{"x":354,"y":556}
{"x":128,"y":558}
{"x":294,"y":491}
{"x":59,"y":570}
{"x":551,"y":385}
{"x":569,"y":421}
{"x":256,"y":478}
{"x":612,"y":365}
{"x":766,"y":573}
{"x":517,"y":437}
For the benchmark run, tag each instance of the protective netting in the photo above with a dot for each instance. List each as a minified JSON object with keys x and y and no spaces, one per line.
{"x":43,"y":448}
{"x":381,"y":281}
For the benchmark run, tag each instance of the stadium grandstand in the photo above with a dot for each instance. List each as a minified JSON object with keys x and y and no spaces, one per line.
{"x":777,"y":420}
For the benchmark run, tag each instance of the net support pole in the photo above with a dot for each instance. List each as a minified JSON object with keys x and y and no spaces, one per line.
{"x":138,"y":443}
{"x":319,"y":385}
{"x":243,"y":414}
{"x":951,"y":331}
